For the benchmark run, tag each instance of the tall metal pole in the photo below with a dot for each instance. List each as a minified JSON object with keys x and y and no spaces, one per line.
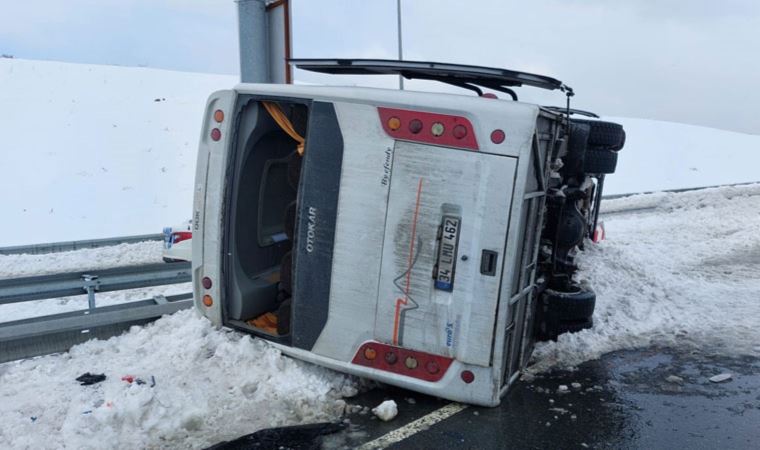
{"x":400,"y":52}
{"x":253,"y":32}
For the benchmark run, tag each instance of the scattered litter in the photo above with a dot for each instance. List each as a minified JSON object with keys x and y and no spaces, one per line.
{"x":559,"y":410}
{"x":152,"y":381}
{"x":562,"y":389}
{"x":89,"y":411}
{"x":721,"y":378}
{"x":575,"y":385}
{"x":551,"y":401}
{"x":548,"y":424}
{"x":584,"y":445}
{"x":573,"y":417}
{"x":34,"y":418}
{"x":88,"y":378}
{"x":674,"y":379}
{"x":139,"y":381}
{"x":386,"y":410}
{"x":128,"y":378}
{"x":475,"y":413}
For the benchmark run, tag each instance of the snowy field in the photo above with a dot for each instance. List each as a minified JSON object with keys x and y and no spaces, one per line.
{"x":113,"y":150}
{"x":97,"y":151}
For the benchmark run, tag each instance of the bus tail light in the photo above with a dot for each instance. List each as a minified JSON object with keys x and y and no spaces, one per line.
{"x":421,"y":365}
{"x":430,"y":128}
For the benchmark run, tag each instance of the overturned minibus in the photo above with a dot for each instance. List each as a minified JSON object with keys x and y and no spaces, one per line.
{"x":424,"y":240}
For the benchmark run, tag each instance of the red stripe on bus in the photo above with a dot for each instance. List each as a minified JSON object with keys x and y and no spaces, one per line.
{"x":405,"y":300}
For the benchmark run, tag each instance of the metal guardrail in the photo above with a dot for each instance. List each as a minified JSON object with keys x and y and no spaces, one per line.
{"x":66,"y":246}
{"x":616,"y":196}
{"x":58,"y":332}
{"x":76,"y":283}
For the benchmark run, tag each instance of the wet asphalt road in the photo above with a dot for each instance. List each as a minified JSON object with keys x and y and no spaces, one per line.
{"x":624,"y":401}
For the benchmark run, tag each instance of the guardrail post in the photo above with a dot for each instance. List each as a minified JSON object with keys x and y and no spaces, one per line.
{"x":91,"y":284}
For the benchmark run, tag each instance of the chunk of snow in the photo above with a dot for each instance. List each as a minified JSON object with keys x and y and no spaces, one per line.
{"x":674,"y":379}
{"x":575,"y":385}
{"x":721,"y":378}
{"x":386,"y":410}
{"x":562,"y":389}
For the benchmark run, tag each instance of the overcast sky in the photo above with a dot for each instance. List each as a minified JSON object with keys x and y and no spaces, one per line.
{"x":685,"y":61}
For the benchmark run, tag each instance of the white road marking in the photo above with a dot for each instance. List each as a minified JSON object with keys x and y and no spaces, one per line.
{"x":421,"y":424}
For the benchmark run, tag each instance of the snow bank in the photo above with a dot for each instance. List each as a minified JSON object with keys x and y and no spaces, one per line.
{"x":14,"y":266}
{"x":665,"y":155}
{"x":211,"y":385}
{"x":97,"y":151}
{"x":685,"y":273}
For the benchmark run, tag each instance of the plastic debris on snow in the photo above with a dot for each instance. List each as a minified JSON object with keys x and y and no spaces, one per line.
{"x":386,"y":410}
{"x":87,"y":378}
{"x":215,"y":385}
{"x":683,"y":273}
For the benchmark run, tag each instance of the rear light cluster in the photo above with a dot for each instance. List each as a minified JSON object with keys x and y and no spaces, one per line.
{"x":216,"y":133}
{"x":430,"y":128}
{"x":424,"y":366}
{"x":207,"y":300}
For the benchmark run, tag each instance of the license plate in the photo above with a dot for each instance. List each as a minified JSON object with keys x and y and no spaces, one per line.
{"x":447,"y":253}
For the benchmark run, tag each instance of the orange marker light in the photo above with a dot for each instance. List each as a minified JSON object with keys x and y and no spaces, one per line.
{"x":370,"y":353}
{"x":208,"y":301}
{"x":219,"y":115}
{"x":394,"y":123}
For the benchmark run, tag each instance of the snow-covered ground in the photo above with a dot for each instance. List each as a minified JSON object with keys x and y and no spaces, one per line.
{"x":16,"y":266}
{"x":101,"y":151}
{"x":683,"y":273}
{"x":210,"y":386}
{"x":97,"y":151}
{"x":664,"y":155}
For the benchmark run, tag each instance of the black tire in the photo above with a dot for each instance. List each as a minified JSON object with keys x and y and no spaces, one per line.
{"x":575,"y":326}
{"x":577,"y":304}
{"x":561,"y":312}
{"x":600,"y":161}
{"x":604,"y":135}
{"x":576,"y":150}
